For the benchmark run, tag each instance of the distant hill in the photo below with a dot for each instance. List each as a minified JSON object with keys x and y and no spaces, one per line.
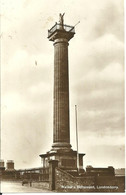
{"x":120,"y":172}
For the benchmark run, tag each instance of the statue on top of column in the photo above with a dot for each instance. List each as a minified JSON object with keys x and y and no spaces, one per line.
{"x":61,"y":20}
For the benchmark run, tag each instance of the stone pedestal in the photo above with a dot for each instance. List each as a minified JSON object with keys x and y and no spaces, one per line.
{"x":66,"y":160}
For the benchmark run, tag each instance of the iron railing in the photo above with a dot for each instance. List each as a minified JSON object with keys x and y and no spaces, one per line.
{"x":60,"y":27}
{"x":40,"y":174}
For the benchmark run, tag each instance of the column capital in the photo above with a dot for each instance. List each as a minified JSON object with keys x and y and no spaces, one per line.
{"x":61,"y":40}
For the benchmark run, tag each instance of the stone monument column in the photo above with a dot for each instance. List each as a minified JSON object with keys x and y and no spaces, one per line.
{"x":61,"y":150}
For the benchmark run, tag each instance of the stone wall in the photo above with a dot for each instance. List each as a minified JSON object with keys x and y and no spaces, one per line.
{"x":64,"y":182}
{"x":40,"y":185}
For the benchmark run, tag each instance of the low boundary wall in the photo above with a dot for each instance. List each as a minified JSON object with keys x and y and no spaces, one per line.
{"x":40,"y":185}
{"x":64,"y":182}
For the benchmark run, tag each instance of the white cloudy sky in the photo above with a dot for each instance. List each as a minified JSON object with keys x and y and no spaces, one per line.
{"x":96,"y":66}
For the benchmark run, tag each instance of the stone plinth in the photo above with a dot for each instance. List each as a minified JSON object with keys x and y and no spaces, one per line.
{"x":66,"y":160}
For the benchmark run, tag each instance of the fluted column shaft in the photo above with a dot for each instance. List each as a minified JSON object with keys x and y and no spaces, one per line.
{"x":61,"y":133}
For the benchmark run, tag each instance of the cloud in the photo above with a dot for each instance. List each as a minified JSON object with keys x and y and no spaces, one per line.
{"x":100,"y":19}
{"x":101,"y":100}
{"x":21,"y":72}
{"x":110,"y":19}
{"x":111,"y":154}
{"x":99,"y":81}
{"x":96,"y":55}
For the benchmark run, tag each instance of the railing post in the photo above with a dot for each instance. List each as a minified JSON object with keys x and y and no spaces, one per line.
{"x":52,"y":165}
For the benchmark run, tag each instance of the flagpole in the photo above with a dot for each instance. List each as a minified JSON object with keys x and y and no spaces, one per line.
{"x":77,"y":139}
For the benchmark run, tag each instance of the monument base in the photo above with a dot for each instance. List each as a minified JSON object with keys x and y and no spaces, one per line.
{"x":67,"y":159}
{"x":62,"y":146}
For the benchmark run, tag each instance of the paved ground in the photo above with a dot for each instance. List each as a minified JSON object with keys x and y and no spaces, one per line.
{"x":17,"y":187}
